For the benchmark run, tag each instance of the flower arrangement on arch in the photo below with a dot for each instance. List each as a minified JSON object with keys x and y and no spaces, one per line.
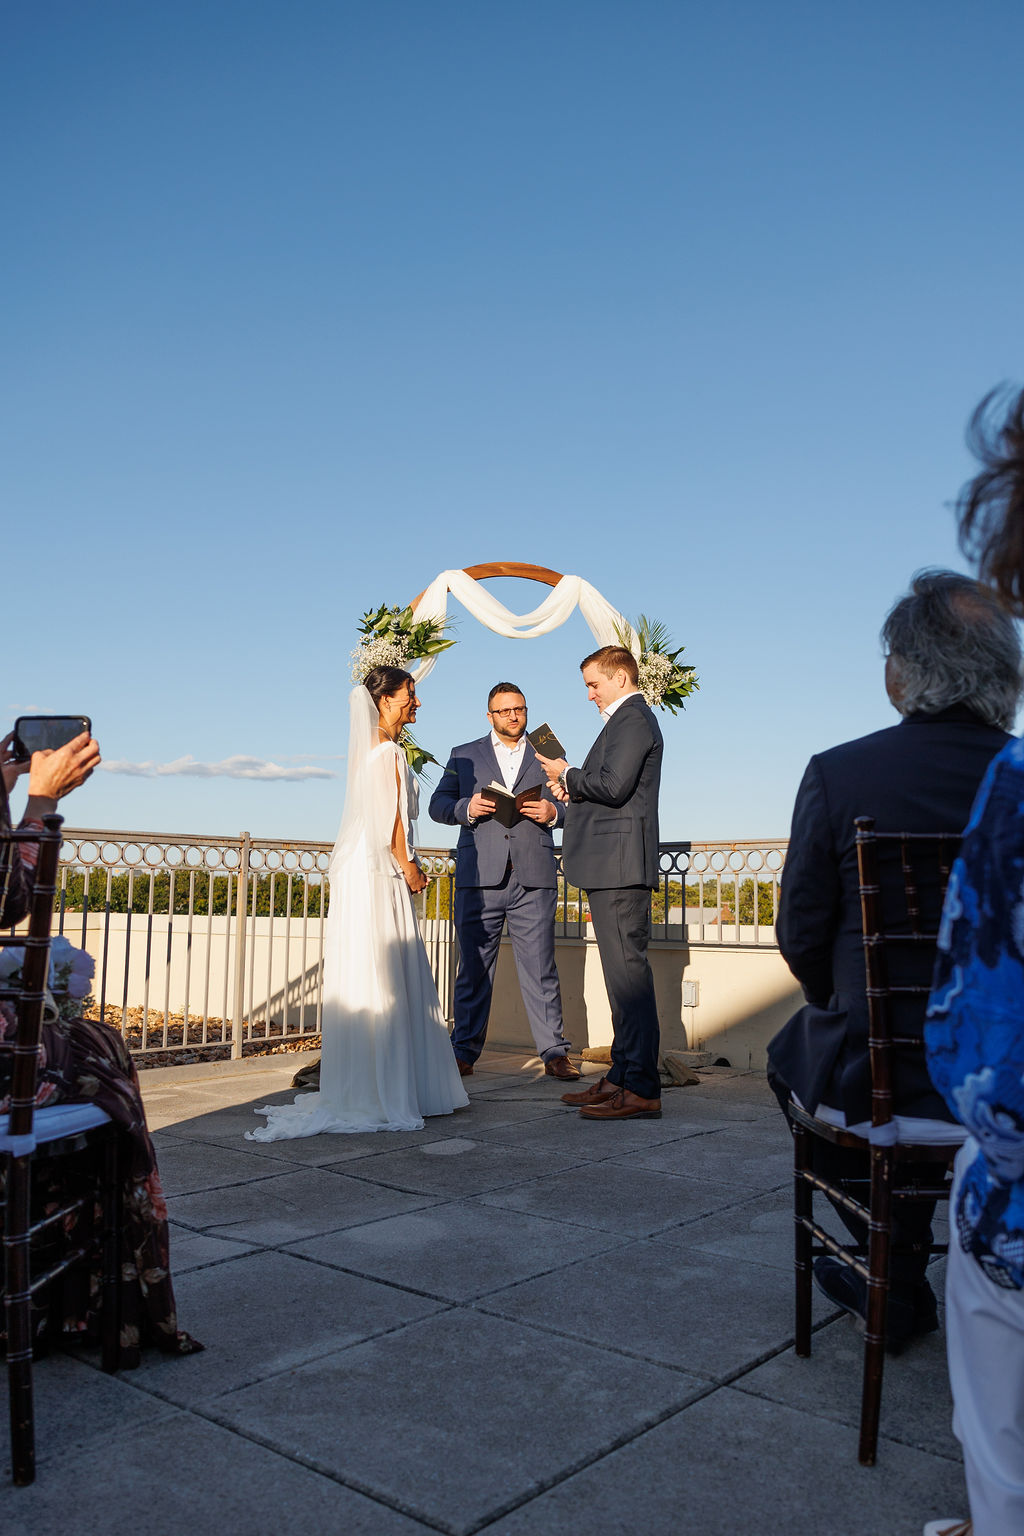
{"x":664,"y":681}
{"x":391,"y":639}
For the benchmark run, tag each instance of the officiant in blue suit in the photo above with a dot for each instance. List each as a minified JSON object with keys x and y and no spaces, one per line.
{"x":504,"y":874}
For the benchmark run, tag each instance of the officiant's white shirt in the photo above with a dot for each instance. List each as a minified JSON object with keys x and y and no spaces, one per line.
{"x":510,"y":759}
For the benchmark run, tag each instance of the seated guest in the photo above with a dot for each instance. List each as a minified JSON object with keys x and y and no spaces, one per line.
{"x":952,"y":671}
{"x":975,"y":1039}
{"x":83,"y":1059}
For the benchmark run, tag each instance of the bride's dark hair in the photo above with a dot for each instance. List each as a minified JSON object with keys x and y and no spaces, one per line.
{"x":385,"y":681}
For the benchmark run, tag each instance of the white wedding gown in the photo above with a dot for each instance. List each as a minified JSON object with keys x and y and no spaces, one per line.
{"x":386,"y":1059}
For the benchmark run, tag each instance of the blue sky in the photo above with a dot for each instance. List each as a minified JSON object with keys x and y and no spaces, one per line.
{"x":307,"y":302}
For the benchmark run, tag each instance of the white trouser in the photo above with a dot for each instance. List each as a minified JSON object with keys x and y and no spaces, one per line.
{"x":985,"y":1347}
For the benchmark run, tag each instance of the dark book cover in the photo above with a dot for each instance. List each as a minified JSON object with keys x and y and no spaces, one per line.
{"x":544,"y":741}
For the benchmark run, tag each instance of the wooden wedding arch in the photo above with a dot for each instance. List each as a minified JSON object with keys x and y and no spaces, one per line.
{"x":539,"y":573}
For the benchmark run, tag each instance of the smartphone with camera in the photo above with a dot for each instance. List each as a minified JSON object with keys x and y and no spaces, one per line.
{"x":37,"y":733}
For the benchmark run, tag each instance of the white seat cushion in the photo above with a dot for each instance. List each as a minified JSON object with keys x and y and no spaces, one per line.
{"x":50,"y":1125}
{"x":905,"y":1129}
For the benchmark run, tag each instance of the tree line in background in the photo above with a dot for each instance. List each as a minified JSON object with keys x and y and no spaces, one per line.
{"x":210,"y":893}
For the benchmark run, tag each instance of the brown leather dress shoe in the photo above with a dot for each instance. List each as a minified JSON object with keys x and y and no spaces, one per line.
{"x":623,"y":1105}
{"x":561,"y":1067}
{"x":595,"y":1094}
{"x":465,"y":1067}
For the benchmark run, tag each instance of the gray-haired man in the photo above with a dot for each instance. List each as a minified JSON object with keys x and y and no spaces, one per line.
{"x":953,"y":672}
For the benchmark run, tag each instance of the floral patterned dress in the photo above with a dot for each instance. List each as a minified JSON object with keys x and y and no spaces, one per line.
{"x":83,"y":1060}
{"x":975,"y":1030}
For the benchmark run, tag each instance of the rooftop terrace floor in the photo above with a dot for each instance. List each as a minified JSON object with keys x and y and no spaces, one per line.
{"x":514,"y":1321}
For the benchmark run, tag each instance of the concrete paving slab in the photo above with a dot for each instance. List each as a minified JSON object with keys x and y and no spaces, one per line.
{"x":917,"y":1406}
{"x":290,"y":1206}
{"x":194,"y":1250}
{"x":168,"y":1105}
{"x":757,"y":1231}
{"x":227,"y":1127}
{"x":740,"y":1470}
{"x":730,"y":1464}
{"x":189,"y":1166}
{"x":479,"y":1413}
{"x":268,"y":1313}
{"x":616,"y":1198}
{"x":567,"y":1132}
{"x":707,"y":1102}
{"x":701,"y":1313}
{"x":755,"y":1155}
{"x":473,"y":1168}
{"x":76,"y":1409}
{"x":460,"y":1250}
{"x":201,"y":1480}
{"x":542,"y":1090}
{"x":731,"y":1084}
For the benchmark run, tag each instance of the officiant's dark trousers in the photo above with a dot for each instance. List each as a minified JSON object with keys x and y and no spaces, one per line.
{"x":480,"y":914}
{"x":622,"y":924}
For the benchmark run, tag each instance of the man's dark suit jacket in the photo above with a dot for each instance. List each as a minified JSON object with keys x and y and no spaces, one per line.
{"x":611,"y":822}
{"x":918,"y":776}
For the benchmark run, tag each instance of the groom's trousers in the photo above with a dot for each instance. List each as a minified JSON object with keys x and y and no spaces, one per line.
{"x":621,"y":920}
{"x":480,"y":914}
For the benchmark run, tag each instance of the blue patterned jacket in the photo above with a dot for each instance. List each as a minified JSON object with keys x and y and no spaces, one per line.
{"x":975,"y":1030}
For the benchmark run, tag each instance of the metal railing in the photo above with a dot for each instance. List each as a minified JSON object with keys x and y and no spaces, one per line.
{"x":214,"y":941}
{"x":217,"y":942}
{"x":709,"y":894}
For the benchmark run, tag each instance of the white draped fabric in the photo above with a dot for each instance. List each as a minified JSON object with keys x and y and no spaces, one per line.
{"x":572,"y":592}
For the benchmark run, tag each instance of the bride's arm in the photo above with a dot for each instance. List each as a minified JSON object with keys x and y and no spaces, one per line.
{"x":415,"y":879}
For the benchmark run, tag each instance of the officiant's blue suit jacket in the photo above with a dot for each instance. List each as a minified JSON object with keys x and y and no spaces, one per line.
{"x":483,"y":851}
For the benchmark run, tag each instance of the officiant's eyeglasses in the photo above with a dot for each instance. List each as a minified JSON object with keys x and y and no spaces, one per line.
{"x":503,"y":714}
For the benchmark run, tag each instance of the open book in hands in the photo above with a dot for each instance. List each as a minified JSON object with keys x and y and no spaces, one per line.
{"x":506,"y":803}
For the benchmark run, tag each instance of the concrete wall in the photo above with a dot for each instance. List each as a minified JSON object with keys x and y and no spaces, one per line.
{"x":744,"y":994}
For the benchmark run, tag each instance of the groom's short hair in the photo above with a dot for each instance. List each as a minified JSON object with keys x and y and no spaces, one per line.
{"x":504,"y":688}
{"x":611,"y":659}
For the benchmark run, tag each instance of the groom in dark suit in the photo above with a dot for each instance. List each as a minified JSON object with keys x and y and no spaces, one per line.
{"x":503,"y":874}
{"x":610,"y":850}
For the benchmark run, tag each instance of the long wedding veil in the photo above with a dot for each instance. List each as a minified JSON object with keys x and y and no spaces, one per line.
{"x":368,"y":817}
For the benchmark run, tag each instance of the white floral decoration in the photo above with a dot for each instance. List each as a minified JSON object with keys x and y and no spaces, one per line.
{"x":379,"y":651}
{"x":655,"y":675}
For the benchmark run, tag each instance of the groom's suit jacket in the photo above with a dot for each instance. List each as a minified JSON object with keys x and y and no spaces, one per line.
{"x":483,"y":851}
{"x":611,"y":823}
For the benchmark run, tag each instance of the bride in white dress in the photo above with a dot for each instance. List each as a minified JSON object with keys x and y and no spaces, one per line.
{"x":386,"y":1060}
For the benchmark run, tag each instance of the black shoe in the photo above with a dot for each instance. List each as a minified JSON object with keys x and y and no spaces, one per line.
{"x":926,"y":1309}
{"x":308,"y":1076}
{"x":908,"y":1315}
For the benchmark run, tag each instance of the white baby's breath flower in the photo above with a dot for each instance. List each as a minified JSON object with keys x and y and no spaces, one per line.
{"x":655,"y":674}
{"x":384,"y":651}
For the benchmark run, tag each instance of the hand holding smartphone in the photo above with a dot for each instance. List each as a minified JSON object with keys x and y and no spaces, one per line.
{"x":41,"y":733}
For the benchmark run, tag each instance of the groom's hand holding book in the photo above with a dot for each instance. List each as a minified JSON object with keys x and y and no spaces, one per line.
{"x":551,"y":756}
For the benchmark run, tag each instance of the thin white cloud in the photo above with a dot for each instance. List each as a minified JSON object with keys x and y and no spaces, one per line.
{"x":229,"y":768}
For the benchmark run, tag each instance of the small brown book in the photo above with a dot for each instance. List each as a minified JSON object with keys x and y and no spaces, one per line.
{"x":544,"y":741}
{"x":507,"y":804}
